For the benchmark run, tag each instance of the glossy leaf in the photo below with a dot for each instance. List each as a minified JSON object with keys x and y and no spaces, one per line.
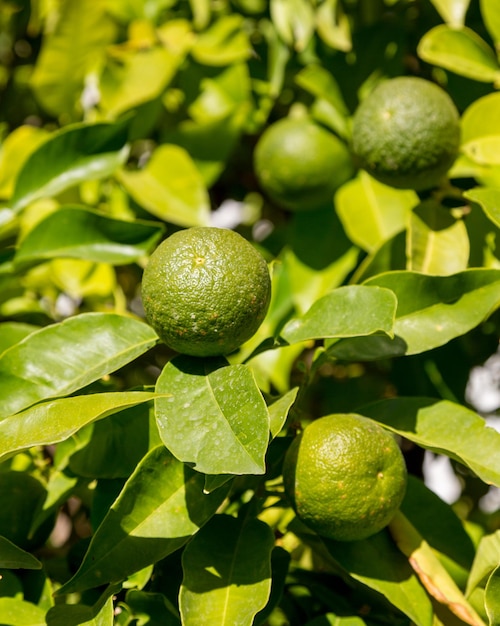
{"x":490,"y":12}
{"x":15,"y":149}
{"x":77,"y":232}
{"x":481,"y":130}
{"x":224,"y":43}
{"x":12,"y":332}
{"x":371,"y":212}
{"x":215,"y":416}
{"x":51,"y":422}
{"x":72,"y":155}
{"x":461,"y":51}
{"x":434,"y":577}
{"x":437,"y":243}
{"x":12,"y":557}
{"x":101,"y":614}
{"x":161,"y":506}
{"x":432,"y":310}
{"x":445,"y":428}
{"x":492,"y":598}
{"x":348,"y":311}
{"x":452,"y":11}
{"x":488,"y":199}
{"x":70,"y":53}
{"x":377,"y":563}
{"x":169,"y":187}
{"x":227,"y":572}
{"x":17,"y":612}
{"x":62,"y":358}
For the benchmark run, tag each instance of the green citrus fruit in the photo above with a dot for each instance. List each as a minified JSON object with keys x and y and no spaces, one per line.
{"x":406,"y":133}
{"x":300,"y":165}
{"x":205,"y":291}
{"x":345,"y":476}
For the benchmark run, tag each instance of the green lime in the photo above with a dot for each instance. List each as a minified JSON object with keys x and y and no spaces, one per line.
{"x":300,"y":164}
{"x":206,"y":291}
{"x":345,"y":476}
{"x":406,"y":133}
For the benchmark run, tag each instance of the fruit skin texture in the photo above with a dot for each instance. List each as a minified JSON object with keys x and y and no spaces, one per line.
{"x":345,"y":476}
{"x":205,"y":291}
{"x":300,"y":165}
{"x":406,"y":133}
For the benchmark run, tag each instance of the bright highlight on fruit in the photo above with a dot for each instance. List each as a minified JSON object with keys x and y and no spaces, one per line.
{"x":406,"y":133}
{"x":206,"y":291}
{"x":300,"y":165}
{"x":345,"y":476}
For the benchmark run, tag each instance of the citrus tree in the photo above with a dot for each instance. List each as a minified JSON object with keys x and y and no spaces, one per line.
{"x":147,"y":478}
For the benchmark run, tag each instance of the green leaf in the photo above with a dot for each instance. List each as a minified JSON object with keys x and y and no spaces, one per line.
{"x":461,"y":51}
{"x":490,"y":12}
{"x":170,"y":187}
{"x":161,"y":506}
{"x":137,"y":77}
{"x":294,"y":21}
{"x":57,"y":420}
{"x":72,"y":155}
{"x":12,"y":557}
{"x":445,"y":428}
{"x":432,"y":310}
{"x":279,"y":409}
{"x":371,"y":212}
{"x":224,"y":43}
{"x":132,"y":431}
{"x":17,"y":612}
{"x":348,"y":311}
{"x":485,"y":562}
{"x":12,"y":332}
{"x":488,"y":199}
{"x":481,"y":130}
{"x":452,"y":11}
{"x":70,"y":54}
{"x":156,"y":606}
{"x":227,"y":572}
{"x":215,"y":417}
{"x":437,"y":243}
{"x":434,"y":577}
{"x":100,"y":614}
{"x":333,"y":25}
{"x":377,"y":563}
{"x":62,"y":358}
{"x":80,"y":233}
{"x":492,"y":598}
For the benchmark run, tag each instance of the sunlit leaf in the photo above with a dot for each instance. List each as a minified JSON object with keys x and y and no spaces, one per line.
{"x":170,"y":187}
{"x":279,"y":409}
{"x":486,"y":561}
{"x":52,"y":422}
{"x":215,"y":417}
{"x":434,"y":577}
{"x":481,"y":119}
{"x":227,"y":572}
{"x":452,"y":11}
{"x":70,"y":53}
{"x":74,"y":154}
{"x":492,"y":597}
{"x":294,"y":20}
{"x":371,"y":212}
{"x":488,"y":199}
{"x":333,"y":25}
{"x":12,"y":332}
{"x":161,"y":506}
{"x":490,"y":12}
{"x":100,"y":614}
{"x":347,"y":311}
{"x":432,"y":310}
{"x":225,"y":42}
{"x":437,"y":243}
{"x":445,"y":428}
{"x":61,"y":358}
{"x":461,"y":51}
{"x":77,"y":232}
{"x":17,"y":612}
